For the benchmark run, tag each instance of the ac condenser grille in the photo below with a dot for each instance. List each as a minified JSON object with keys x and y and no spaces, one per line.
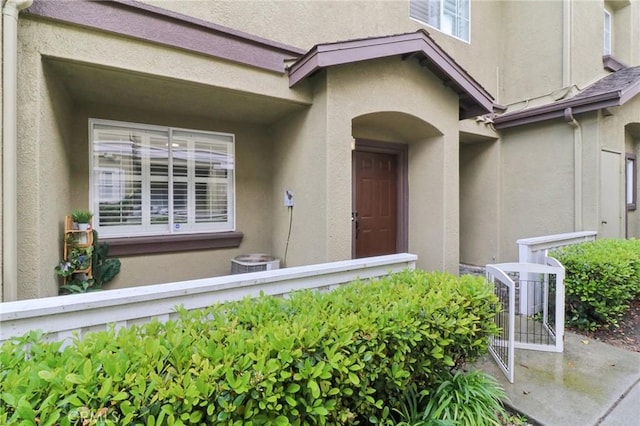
{"x":253,"y":263}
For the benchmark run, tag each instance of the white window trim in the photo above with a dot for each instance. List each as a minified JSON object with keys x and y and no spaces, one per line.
{"x":607,"y":33}
{"x":441,"y":14}
{"x":631,"y":181}
{"x":147,"y":231}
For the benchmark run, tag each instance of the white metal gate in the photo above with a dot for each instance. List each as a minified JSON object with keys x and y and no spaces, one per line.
{"x":541,"y":325}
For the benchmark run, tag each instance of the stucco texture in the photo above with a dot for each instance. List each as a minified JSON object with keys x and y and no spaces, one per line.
{"x":70,"y":74}
{"x":404,"y":87}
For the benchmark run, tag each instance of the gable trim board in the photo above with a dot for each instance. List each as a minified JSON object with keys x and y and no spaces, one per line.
{"x":613,"y":90}
{"x":474,"y":99}
{"x":156,"y":25}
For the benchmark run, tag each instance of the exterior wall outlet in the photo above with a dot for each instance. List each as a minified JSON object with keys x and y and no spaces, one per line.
{"x":288,"y":198}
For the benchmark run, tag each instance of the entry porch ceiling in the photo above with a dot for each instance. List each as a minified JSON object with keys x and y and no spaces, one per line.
{"x":94,"y":84}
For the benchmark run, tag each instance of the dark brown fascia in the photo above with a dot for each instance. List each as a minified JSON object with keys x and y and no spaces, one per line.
{"x":157,"y":25}
{"x":405,"y":45}
{"x":612,"y":64}
{"x":556,"y":110}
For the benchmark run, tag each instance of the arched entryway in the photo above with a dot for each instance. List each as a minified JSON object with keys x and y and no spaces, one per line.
{"x":380,"y":180}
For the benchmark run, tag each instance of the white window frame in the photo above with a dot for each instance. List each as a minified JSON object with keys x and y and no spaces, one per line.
{"x":607,"y":33}
{"x":631,"y":181}
{"x":442,"y":15}
{"x":147,"y":228}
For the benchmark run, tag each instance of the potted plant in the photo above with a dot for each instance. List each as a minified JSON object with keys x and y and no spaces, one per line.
{"x":79,"y":259}
{"x":81,"y":219}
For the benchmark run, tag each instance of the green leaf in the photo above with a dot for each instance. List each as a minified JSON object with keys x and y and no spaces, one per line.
{"x":25,"y":410}
{"x":292,"y":388}
{"x":321,"y":411}
{"x":46,"y":375}
{"x":314,"y":388}
{"x":290,"y":401}
{"x":282,"y":421}
{"x":353,"y":378}
{"x":75,"y":379}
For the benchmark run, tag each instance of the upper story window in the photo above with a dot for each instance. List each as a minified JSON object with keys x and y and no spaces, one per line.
{"x":449,"y":16}
{"x":152,"y":180}
{"x":607,"y":33}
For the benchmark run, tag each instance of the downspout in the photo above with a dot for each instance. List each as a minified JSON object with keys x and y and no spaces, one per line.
{"x":577,"y":168}
{"x":566,"y":43}
{"x":10,"y":11}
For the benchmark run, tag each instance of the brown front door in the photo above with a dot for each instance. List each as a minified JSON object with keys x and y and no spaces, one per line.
{"x":376,"y":203}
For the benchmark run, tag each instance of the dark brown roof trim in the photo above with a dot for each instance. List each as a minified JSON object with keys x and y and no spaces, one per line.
{"x":612,"y":64}
{"x":132,"y":246}
{"x":605,"y":93}
{"x":157,"y":25}
{"x":474,"y":99}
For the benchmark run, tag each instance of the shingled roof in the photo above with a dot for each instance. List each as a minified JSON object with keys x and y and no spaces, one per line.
{"x":613,"y":90}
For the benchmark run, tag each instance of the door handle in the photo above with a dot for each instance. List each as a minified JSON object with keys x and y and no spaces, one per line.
{"x":354,"y":219}
{"x":604,"y":222}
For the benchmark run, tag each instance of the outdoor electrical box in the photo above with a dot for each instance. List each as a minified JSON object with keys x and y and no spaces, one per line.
{"x":288,"y":198}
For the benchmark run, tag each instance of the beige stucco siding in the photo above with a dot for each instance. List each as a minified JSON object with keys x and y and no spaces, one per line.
{"x":479,"y":201}
{"x":619,"y":131}
{"x":299,"y":155}
{"x":532,"y":66}
{"x":306,"y":23}
{"x":392,"y":85}
{"x":536,"y":184}
{"x":626,"y":31}
{"x":59,"y":91}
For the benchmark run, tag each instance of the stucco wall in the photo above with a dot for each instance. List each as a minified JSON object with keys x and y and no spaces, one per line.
{"x":53,"y":147}
{"x":626,"y":31}
{"x":306,"y":23}
{"x":532,"y":65}
{"x":402,"y":86}
{"x":536,"y":184}
{"x":299,"y":156}
{"x":620,"y":132}
{"x":479,"y":201}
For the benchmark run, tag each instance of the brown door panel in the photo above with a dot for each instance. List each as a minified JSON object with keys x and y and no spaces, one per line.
{"x":376,"y":203}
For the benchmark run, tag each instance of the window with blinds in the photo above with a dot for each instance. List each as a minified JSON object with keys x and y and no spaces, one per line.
{"x":449,"y":16}
{"x":150,"y":180}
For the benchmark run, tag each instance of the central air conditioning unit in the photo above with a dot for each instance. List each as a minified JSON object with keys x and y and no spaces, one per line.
{"x":253,"y":263}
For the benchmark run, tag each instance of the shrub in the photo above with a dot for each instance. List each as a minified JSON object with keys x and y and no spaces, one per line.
{"x":342,"y":357}
{"x":602,"y":277}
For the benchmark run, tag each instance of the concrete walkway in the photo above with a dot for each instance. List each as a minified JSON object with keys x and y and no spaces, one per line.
{"x":591,"y":383}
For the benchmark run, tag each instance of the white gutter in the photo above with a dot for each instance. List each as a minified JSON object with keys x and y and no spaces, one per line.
{"x":10,"y":11}
{"x":577,"y":169}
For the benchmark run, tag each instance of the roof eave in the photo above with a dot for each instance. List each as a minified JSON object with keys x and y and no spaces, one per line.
{"x":551,"y":111}
{"x":340,"y":53}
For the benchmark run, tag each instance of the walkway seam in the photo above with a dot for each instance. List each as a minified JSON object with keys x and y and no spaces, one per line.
{"x":618,"y":401}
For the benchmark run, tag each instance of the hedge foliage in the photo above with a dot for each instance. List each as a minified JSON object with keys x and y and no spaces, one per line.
{"x":602,"y":277}
{"x":343,"y":357}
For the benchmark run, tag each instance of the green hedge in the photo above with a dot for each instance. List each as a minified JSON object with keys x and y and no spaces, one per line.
{"x":343,"y":357}
{"x":602,"y":277}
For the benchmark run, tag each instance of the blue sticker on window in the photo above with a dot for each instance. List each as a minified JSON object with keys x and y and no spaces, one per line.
{"x":177,"y":226}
